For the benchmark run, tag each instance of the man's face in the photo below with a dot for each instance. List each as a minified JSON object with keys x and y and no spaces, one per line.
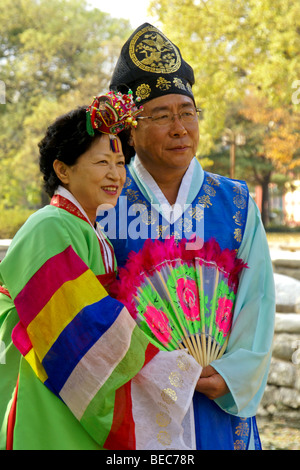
{"x":168,"y":147}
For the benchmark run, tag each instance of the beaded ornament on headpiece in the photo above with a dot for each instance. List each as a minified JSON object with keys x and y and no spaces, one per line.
{"x":112,"y":113}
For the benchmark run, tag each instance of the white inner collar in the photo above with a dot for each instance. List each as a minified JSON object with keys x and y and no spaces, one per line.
{"x":170,"y":212}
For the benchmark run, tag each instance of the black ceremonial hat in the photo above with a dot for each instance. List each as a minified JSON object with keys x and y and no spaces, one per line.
{"x":151,"y":66}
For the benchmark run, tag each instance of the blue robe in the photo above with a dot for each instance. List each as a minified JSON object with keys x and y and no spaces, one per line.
{"x":211,"y":206}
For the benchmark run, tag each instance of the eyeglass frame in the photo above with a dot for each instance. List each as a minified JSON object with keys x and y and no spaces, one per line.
{"x":198,"y":110}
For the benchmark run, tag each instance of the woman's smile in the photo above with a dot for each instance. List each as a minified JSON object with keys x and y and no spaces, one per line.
{"x":113,"y":190}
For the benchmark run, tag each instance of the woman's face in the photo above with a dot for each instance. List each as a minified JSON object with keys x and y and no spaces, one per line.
{"x":97,"y":177}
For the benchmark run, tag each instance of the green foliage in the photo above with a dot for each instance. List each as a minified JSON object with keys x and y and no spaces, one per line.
{"x":234,"y":46}
{"x":242,"y":50}
{"x":54,"y":56}
{"x":11,"y":220}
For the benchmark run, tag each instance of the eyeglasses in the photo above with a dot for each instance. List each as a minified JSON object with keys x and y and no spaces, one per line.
{"x":165,"y":118}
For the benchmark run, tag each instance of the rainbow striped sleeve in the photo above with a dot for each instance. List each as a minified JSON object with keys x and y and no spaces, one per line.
{"x":83,"y":345}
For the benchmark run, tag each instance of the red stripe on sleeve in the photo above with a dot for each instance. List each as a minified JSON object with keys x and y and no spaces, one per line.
{"x":65,"y":266}
{"x":151,"y":351}
{"x":122,"y":433}
{"x":12,"y":420}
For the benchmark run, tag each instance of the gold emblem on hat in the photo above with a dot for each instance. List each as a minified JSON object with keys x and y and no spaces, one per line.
{"x":151,"y":51}
{"x":163,"y":84}
{"x":179,"y":83}
{"x":143,"y":91}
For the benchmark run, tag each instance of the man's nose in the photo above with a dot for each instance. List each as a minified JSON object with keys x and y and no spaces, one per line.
{"x":177,"y":126}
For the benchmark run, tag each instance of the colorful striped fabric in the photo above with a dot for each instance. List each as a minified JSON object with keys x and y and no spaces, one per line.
{"x":81,"y":343}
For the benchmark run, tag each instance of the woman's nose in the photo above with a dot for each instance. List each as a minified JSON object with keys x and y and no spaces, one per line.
{"x":113,"y":172}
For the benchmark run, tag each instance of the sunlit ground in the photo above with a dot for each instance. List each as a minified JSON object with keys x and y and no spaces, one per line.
{"x":276,"y":435}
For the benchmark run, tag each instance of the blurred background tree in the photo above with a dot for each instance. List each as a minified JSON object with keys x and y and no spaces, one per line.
{"x":269,"y":149}
{"x":53,"y":56}
{"x":246,"y":59}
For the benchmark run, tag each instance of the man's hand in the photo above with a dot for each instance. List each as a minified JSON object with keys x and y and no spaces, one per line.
{"x":211,"y":383}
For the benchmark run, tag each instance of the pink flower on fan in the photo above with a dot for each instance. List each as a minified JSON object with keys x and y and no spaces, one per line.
{"x":158,"y":323}
{"x":224,"y":315}
{"x":187,"y":293}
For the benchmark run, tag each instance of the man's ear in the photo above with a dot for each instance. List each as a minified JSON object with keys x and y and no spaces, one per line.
{"x":61,"y":170}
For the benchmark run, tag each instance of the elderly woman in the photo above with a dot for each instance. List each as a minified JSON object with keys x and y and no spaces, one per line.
{"x":87,"y":377}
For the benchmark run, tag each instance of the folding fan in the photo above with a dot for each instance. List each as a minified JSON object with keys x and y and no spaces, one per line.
{"x":182,"y":298}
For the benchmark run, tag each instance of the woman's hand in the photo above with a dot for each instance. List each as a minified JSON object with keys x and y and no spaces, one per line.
{"x":211,"y":383}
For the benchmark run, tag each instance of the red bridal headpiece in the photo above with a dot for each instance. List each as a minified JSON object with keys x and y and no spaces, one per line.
{"x":112,"y":113}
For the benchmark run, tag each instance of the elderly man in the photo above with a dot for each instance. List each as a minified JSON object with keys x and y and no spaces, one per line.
{"x":168,"y":193}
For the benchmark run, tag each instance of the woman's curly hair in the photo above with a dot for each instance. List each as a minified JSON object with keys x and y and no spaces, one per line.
{"x":66,"y":140}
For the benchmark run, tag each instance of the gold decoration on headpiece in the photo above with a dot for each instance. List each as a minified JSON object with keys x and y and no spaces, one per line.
{"x":151,"y":51}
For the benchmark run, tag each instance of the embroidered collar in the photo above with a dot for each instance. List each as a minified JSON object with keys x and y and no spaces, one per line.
{"x":65,"y":200}
{"x":63,"y":203}
{"x":189,"y":188}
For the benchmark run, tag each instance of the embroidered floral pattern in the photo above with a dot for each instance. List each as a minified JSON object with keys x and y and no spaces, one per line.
{"x":205,"y":201}
{"x":196,"y":213}
{"x":239,"y":445}
{"x":132,"y":195}
{"x":239,"y":189}
{"x":238,"y":235}
{"x":239,"y":201}
{"x":160,"y":230}
{"x":127,"y":182}
{"x":148,"y":217}
{"x":240,"y":197}
{"x":214,"y":191}
{"x":213,"y":180}
{"x":238,"y":218}
{"x":242,"y":430}
{"x":209,"y":190}
{"x":186,"y":225}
